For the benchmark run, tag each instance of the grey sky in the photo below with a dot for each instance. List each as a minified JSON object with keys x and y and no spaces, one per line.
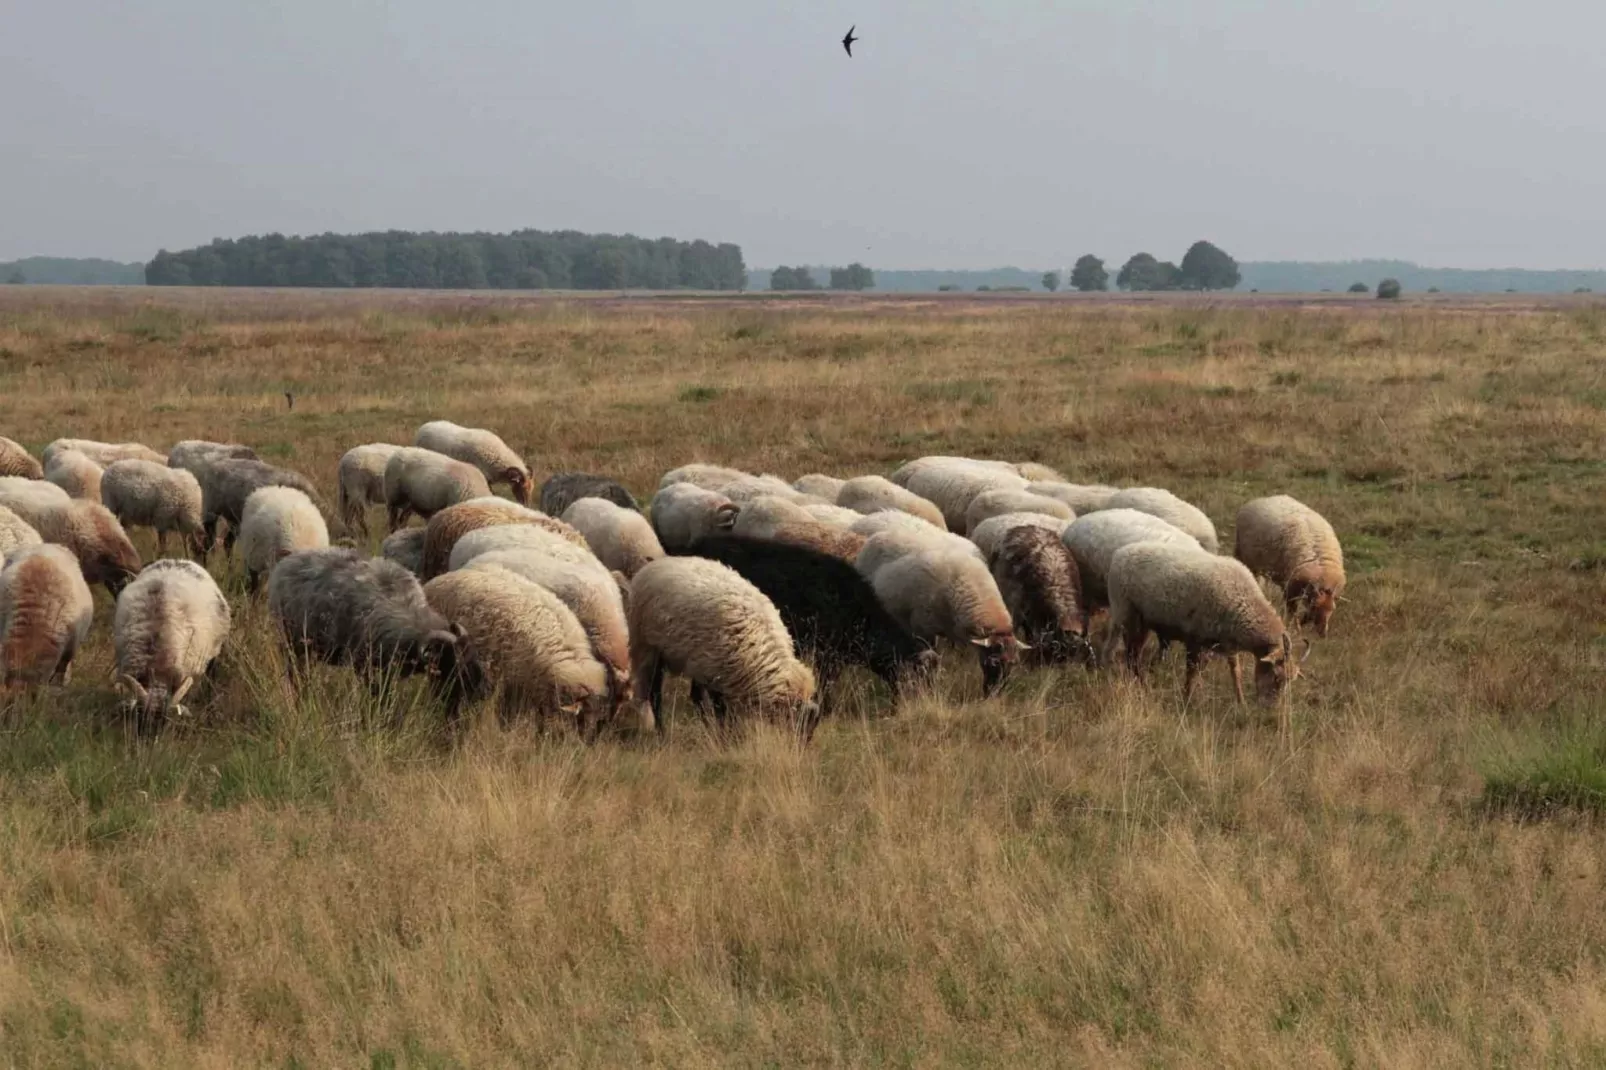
{"x":1462,"y":133}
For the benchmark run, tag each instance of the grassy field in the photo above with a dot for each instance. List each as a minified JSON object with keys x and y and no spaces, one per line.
{"x":1075,"y":873}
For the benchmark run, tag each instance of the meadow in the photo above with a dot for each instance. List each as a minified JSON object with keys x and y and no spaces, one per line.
{"x":1079,"y":872}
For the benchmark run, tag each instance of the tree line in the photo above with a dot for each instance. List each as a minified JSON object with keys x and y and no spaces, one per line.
{"x":1204,"y":267}
{"x":853,"y":277}
{"x":522,"y":260}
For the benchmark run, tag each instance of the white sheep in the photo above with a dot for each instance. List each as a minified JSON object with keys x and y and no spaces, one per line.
{"x":102,"y":453}
{"x":481,"y":448}
{"x":747,"y":488}
{"x":702,"y":619}
{"x":520,"y":537}
{"x":1093,"y":540}
{"x":17,"y":461}
{"x":712,"y":477}
{"x":890,"y":545}
{"x":993,"y":503}
{"x":684,"y":512}
{"x":24,"y":496}
{"x":1082,"y":498}
{"x":15,"y":533}
{"x":1292,"y":545}
{"x":834,"y":515}
{"x":88,"y":529}
{"x":424,"y":481}
{"x":75,"y":473}
{"x":1170,"y":508}
{"x":362,"y":482}
{"x":45,"y":612}
{"x":168,"y":630}
{"x":892,"y":520}
{"x":276,"y":523}
{"x":621,"y":538}
{"x":819,"y":485}
{"x":947,"y":595}
{"x":989,"y":534}
{"x":1038,"y":473}
{"x":151,"y":495}
{"x":1210,"y":604}
{"x":951,"y":488}
{"x":908,"y":471}
{"x":874,"y":494}
{"x":758,"y":517}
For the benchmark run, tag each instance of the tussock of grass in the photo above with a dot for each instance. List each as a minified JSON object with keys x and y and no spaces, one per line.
{"x":1550,"y":770}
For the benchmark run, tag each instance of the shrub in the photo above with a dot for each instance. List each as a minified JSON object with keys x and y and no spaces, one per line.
{"x":1389,"y":289}
{"x":1359,"y":288}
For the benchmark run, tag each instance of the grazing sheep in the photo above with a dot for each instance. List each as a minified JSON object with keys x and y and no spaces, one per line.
{"x":406,"y":548}
{"x":450,"y":524}
{"x":193,"y":452}
{"x":909,"y":471}
{"x":15,"y":533}
{"x":276,"y":523}
{"x":939,"y":594}
{"x":45,"y":611}
{"x":102,"y":453}
{"x":423,"y":481}
{"x":701,"y":619}
{"x":834,"y":515}
{"x":225,"y":485}
{"x":989,"y":534}
{"x":873,"y":494}
{"x":169,"y":628}
{"x":521,"y":537}
{"x":1038,"y":473}
{"x":481,"y":448}
{"x":1294,"y":547}
{"x":1082,"y":498}
{"x":892,"y":520}
{"x":1094,"y":539}
{"x":1170,"y":508}
{"x":88,"y":529}
{"x":27,"y":496}
{"x":952,"y":488}
{"x":346,"y":609}
{"x":566,"y":488}
{"x":827,"y":539}
{"x":683,"y":513}
{"x":75,"y":473}
{"x":758,"y":516}
{"x":1042,"y":589}
{"x":362,"y":483}
{"x":16,"y":461}
{"x":830,"y":611}
{"x":711,"y":477}
{"x":621,"y":538}
{"x":819,"y":485}
{"x":523,"y":643}
{"x":993,"y":503}
{"x":747,"y":488}
{"x":150,"y":495}
{"x":1209,"y":604}
{"x":887,"y":546}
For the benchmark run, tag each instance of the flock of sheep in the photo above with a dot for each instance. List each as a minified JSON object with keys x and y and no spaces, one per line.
{"x":760,"y":591}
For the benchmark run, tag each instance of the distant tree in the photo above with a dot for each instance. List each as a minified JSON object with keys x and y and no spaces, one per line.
{"x":790,"y":278}
{"x":1088,"y":274}
{"x":1389,"y":289}
{"x":1433,"y":289}
{"x":1051,"y":281}
{"x":1144,"y":272}
{"x":1205,"y":267}
{"x":1359,"y":288}
{"x":1581,"y":290}
{"x":853,"y":277}
{"x":984,"y":288}
{"x":947,"y":287}
{"x":16,"y":278}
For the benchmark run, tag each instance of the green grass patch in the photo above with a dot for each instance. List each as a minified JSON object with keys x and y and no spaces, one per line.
{"x":1556,"y":770}
{"x":964,"y":391}
{"x":696,"y":395}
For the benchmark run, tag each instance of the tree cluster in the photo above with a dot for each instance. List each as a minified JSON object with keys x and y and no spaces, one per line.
{"x":522,"y":260}
{"x":792,"y":278}
{"x":1204,"y":267}
{"x":853,"y":277}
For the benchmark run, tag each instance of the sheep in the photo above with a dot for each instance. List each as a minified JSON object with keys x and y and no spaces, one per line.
{"x":277,"y":522}
{"x":102,"y":453}
{"x":362,"y":483}
{"x":910,"y":470}
{"x":951,"y":488}
{"x":342,"y":608}
{"x":711,"y":477}
{"x":523,"y":643}
{"x":225,"y":485}
{"x":16,"y":461}
{"x":1293,"y":546}
{"x":1094,"y":539}
{"x":481,"y":448}
{"x":621,"y":538}
{"x":74,"y":473}
{"x":423,"y":481}
{"x":819,"y":485}
{"x":88,"y":529}
{"x":701,"y":619}
{"x":989,"y":535}
{"x":827,"y":539}
{"x":1082,"y":498}
{"x":873,"y":494}
{"x":892,"y":520}
{"x":26,"y":496}
{"x":443,"y":529}
{"x":1210,"y":604}
{"x":151,"y":495}
{"x":194,"y":455}
{"x":993,"y":503}
{"x":683,"y":513}
{"x":15,"y":533}
{"x":565,"y":488}
{"x":520,"y":537}
{"x":168,"y":629}
{"x":887,"y":546}
{"x":942,"y":594}
{"x":834,"y":515}
{"x":406,"y":548}
{"x":747,"y":488}
{"x":761,"y":514}
{"x":1038,"y":473}
{"x":45,"y":612}
{"x":830,"y":611}
{"x":1170,"y":508}
{"x":1042,"y":589}
{"x":595,"y":599}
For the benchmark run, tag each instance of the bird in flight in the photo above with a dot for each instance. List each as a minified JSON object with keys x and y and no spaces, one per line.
{"x":847,"y":42}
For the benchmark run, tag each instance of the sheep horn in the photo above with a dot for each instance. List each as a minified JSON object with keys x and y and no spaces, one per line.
{"x":1308,"y":648}
{"x":183,"y":689}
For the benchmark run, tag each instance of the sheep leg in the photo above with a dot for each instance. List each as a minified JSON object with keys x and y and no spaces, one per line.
{"x":208,"y":535}
{"x":721,"y":713}
{"x":1196,"y":658}
{"x":1136,"y":638}
{"x":699,"y":696}
{"x":161,"y":543}
{"x":253,"y":580}
{"x":1237,"y":676}
{"x":647,"y":681}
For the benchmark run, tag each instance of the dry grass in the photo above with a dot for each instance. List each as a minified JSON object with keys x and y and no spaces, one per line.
{"x":1075,"y":873}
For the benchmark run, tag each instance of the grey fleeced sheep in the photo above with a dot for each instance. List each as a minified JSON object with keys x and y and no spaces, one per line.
{"x":168,"y":630}
{"x":16,"y":461}
{"x":1292,"y":545}
{"x":277,"y":522}
{"x":520,"y":537}
{"x":1094,"y":539}
{"x":483,"y":449}
{"x":524,"y":643}
{"x":45,"y":612}
{"x":362,"y":483}
{"x":622,"y":539}
{"x":993,"y":503}
{"x":150,"y":495}
{"x":565,"y":488}
{"x":422,"y":481}
{"x":951,"y":488}
{"x":1082,"y":498}
{"x":406,"y":548}
{"x":195,"y":454}
{"x":940,"y":594}
{"x":75,"y":473}
{"x":989,"y":535}
{"x":102,"y":453}
{"x":225,"y":485}
{"x":712,"y":477}
{"x":15,"y":533}
{"x":88,"y":529}
{"x":1170,"y":508}
{"x":703,"y":620}
{"x":1209,"y":604}
{"x":1042,"y":589}
{"x":684,"y":512}
{"x":873,"y":494}
{"x":819,"y":485}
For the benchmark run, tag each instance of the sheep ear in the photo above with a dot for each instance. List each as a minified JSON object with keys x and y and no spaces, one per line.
{"x":725,"y":515}
{"x":183,"y":689}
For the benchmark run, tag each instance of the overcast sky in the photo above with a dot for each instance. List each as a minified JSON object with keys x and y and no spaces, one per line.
{"x":1465,"y":133}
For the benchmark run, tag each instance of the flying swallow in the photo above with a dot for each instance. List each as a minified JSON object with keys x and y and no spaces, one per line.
{"x":847,"y":42}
